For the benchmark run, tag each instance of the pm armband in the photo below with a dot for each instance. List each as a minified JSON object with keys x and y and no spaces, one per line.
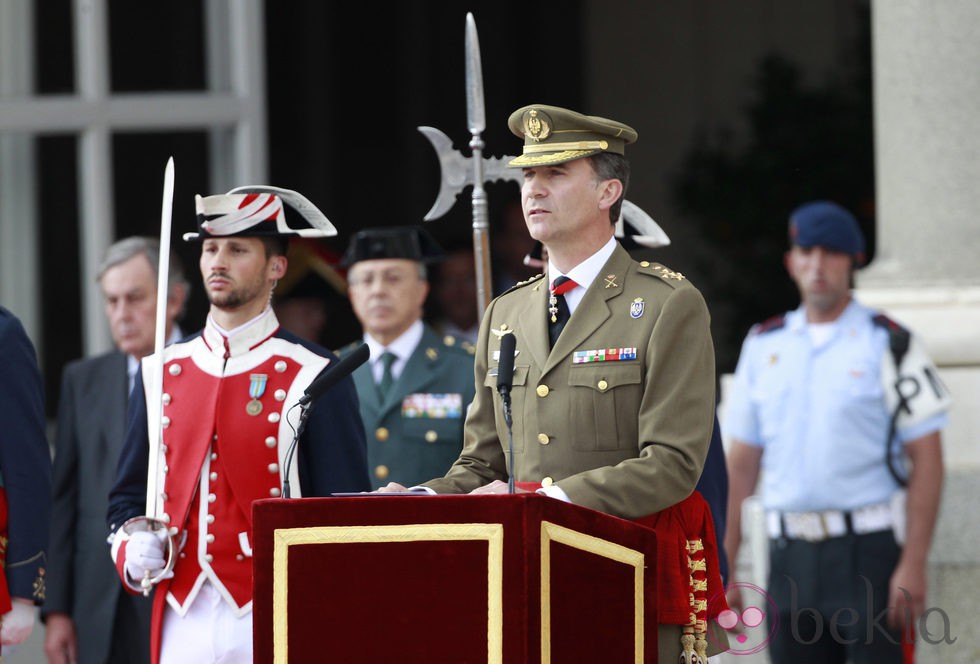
{"x":915,"y":389}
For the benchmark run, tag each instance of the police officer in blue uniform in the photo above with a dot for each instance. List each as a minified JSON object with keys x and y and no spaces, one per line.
{"x":831,"y":416}
{"x":416,"y":387}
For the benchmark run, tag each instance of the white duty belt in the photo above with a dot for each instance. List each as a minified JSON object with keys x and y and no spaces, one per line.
{"x":818,"y":526}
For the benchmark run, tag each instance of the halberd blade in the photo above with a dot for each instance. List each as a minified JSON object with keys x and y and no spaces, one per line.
{"x":475,"y":110}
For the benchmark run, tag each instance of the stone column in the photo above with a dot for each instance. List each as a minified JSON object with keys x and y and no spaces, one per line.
{"x":926,"y":272}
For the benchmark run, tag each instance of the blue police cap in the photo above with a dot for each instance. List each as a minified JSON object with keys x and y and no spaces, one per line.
{"x":826,"y":224}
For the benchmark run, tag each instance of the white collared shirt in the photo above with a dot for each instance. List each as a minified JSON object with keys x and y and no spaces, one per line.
{"x":583,"y":274}
{"x":132,"y":363}
{"x":402,"y":348}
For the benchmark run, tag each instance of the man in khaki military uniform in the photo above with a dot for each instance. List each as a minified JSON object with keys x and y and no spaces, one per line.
{"x":617,"y":414}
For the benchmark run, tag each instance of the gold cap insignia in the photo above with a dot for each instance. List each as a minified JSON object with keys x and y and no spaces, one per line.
{"x":537,"y":125}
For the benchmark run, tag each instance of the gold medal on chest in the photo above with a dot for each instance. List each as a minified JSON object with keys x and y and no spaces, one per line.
{"x":253,"y":407}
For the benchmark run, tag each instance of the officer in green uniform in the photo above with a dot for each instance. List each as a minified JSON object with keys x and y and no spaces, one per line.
{"x":616,"y":413}
{"x":415,"y":389}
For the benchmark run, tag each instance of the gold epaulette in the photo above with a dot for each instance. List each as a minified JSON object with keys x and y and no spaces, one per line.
{"x":451,"y":341}
{"x":521,"y":284}
{"x":658,"y":270}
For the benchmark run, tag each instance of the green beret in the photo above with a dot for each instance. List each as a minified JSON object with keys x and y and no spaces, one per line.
{"x":554,"y":135}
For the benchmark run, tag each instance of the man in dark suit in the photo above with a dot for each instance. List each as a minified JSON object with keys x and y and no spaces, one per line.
{"x":25,"y":471}
{"x":90,"y":618}
{"x":414,"y":417}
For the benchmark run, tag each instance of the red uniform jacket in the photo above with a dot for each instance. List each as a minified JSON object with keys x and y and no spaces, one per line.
{"x":229,"y":418}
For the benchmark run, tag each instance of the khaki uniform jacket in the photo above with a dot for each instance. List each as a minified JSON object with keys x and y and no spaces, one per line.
{"x":627,"y":437}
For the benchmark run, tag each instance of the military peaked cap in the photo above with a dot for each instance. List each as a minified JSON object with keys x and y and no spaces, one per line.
{"x":554,"y":135}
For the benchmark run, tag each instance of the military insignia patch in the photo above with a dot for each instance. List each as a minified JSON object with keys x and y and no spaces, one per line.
{"x":40,"y":587}
{"x":603,"y":355}
{"x":432,"y":406}
{"x":636,"y":307}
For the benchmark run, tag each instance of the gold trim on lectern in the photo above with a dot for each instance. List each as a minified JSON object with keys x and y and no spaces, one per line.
{"x":493,"y":533}
{"x":551,"y":532}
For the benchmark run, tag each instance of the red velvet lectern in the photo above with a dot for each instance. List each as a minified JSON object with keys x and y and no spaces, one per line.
{"x":496,"y":579}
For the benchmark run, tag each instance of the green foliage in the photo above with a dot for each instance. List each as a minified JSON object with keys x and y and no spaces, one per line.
{"x":803,"y":143}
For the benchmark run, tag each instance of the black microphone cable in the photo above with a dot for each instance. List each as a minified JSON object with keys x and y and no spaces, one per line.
{"x":332,"y":374}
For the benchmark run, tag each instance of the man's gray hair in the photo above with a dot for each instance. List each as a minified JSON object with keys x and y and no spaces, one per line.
{"x":121,"y":251}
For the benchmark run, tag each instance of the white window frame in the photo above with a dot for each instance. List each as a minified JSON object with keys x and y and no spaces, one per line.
{"x":231,"y":110}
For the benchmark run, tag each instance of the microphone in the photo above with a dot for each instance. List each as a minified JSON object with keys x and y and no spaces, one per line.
{"x":334,"y":373}
{"x":330,"y":376}
{"x":505,"y":365}
{"x":505,"y":381}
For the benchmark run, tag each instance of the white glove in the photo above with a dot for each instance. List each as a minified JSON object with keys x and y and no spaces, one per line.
{"x":16,"y":624}
{"x":144,"y":553}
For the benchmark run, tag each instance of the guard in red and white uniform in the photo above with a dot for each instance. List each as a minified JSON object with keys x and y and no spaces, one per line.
{"x":229,"y":416}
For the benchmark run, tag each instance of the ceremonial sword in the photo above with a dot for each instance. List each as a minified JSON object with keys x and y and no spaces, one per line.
{"x":154,"y":402}
{"x":154,"y":418}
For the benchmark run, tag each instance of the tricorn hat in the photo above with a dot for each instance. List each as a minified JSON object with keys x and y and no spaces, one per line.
{"x":257,"y":211}
{"x":554,"y":135}
{"x":409,"y":242}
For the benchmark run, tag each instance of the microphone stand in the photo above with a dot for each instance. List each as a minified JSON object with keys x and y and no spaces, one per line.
{"x":505,"y":402}
{"x":328,"y":377}
{"x":505,"y":379}
{"x":304,"y":413}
